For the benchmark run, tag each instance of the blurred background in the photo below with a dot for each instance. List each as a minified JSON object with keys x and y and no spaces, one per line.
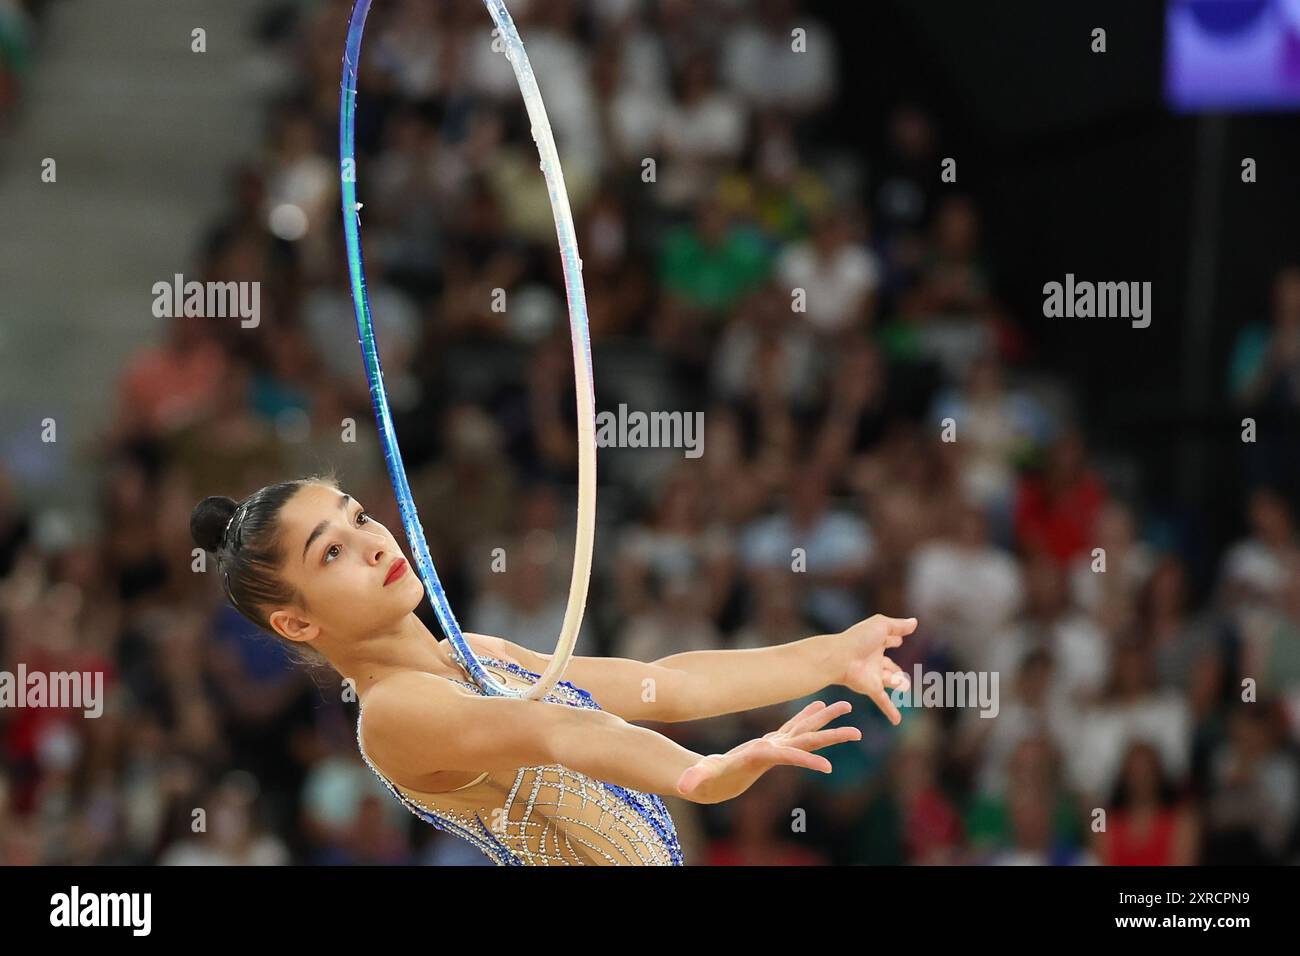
{"x":773,"y":170}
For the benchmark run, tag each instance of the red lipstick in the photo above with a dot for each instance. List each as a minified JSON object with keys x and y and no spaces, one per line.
{"x":396,"y":571}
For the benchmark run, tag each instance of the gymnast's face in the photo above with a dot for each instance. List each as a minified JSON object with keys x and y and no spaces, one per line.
{"x":338,"y":559}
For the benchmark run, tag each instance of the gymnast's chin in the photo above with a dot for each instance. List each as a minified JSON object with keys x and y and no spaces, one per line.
{"x":567,"y":779}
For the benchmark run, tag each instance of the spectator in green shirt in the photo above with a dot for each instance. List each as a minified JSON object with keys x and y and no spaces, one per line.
{"x":711,"y":263}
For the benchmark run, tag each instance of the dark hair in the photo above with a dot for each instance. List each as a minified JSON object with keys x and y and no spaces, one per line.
{"x":1122,"y":795}
{"x":245,"y":538}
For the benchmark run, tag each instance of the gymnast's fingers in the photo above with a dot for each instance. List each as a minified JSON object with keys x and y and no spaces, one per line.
{"x":901,"y":626}
{"x":795,"y":722}
{"x":795,"y":757}
{"x":881,"y":699}
{"x":691,"y":778}
{"x":819,"y":718}
{"x":817,"y":739}
{"x":894,"y":675}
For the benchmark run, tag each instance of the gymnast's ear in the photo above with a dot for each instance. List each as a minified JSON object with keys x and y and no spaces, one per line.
{"x":291,"y":626}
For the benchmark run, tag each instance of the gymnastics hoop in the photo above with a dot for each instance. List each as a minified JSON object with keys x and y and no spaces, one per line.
{"x":583,"y":378}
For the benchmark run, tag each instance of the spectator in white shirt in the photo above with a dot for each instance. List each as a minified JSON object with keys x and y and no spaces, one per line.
{"x":837,"y":273}
{"x":1254,"y":569}
{"x":1128,"y":562}
{"x":1027,"y":712}
{"x":963,"y":587}
{"x":703,"y":133}
{"x":1078,"y":646}
{"x":1132,"y":708}
{"x":763,"y":65}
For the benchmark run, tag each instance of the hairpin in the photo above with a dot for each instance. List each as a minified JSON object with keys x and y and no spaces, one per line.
{"x":226,"y":573}
{"x":229,"y":521}
{"x":229,"y":593}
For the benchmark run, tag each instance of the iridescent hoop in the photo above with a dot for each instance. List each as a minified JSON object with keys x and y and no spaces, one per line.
{"x":586,"y":526}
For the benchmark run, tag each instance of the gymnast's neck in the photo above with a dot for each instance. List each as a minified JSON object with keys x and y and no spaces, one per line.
{"x":410,"y":645}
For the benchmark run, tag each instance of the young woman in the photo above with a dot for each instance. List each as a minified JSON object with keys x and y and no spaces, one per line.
{"x":566,"y":780}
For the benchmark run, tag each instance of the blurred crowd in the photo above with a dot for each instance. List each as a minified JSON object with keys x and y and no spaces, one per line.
{"x":875,"y":441}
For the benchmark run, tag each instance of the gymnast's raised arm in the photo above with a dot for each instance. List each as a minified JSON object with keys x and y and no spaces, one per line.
{"x":415,"y":724}
{"x":698,"y":684}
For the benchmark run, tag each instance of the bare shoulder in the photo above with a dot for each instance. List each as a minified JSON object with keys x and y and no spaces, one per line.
{"x":396,"y":704}
{"x":421,"y":730}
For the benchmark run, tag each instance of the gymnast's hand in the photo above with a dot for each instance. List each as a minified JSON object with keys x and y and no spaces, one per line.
{"x":866,"y":669}
{"x":719,"y":777}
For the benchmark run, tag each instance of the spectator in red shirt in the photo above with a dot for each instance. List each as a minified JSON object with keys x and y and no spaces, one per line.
{"x":1055,"y":511}
{"x":1146,"y":825}
{"x":932,"y":830}
{"x":169,"y":386}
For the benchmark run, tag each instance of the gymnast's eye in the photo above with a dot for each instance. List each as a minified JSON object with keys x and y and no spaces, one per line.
{"x":332,"y":550}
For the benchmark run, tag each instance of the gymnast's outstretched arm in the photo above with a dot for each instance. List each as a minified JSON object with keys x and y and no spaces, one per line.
{"x":414,"y":725}
{"x":698,"y":684}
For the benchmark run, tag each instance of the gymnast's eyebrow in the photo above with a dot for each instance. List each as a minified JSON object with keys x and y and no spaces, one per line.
{"x":320,"y":528}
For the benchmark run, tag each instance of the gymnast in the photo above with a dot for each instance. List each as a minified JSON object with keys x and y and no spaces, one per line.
{"x":567,"y":779}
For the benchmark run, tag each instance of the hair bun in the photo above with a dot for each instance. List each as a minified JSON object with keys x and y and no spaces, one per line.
{"x":209,"y":519}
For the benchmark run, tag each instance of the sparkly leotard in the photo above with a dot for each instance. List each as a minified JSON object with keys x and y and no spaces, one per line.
{"x":547,"y":815}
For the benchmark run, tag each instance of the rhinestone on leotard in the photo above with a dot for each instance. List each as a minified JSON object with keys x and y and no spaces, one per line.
{"x":634,"y":823}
